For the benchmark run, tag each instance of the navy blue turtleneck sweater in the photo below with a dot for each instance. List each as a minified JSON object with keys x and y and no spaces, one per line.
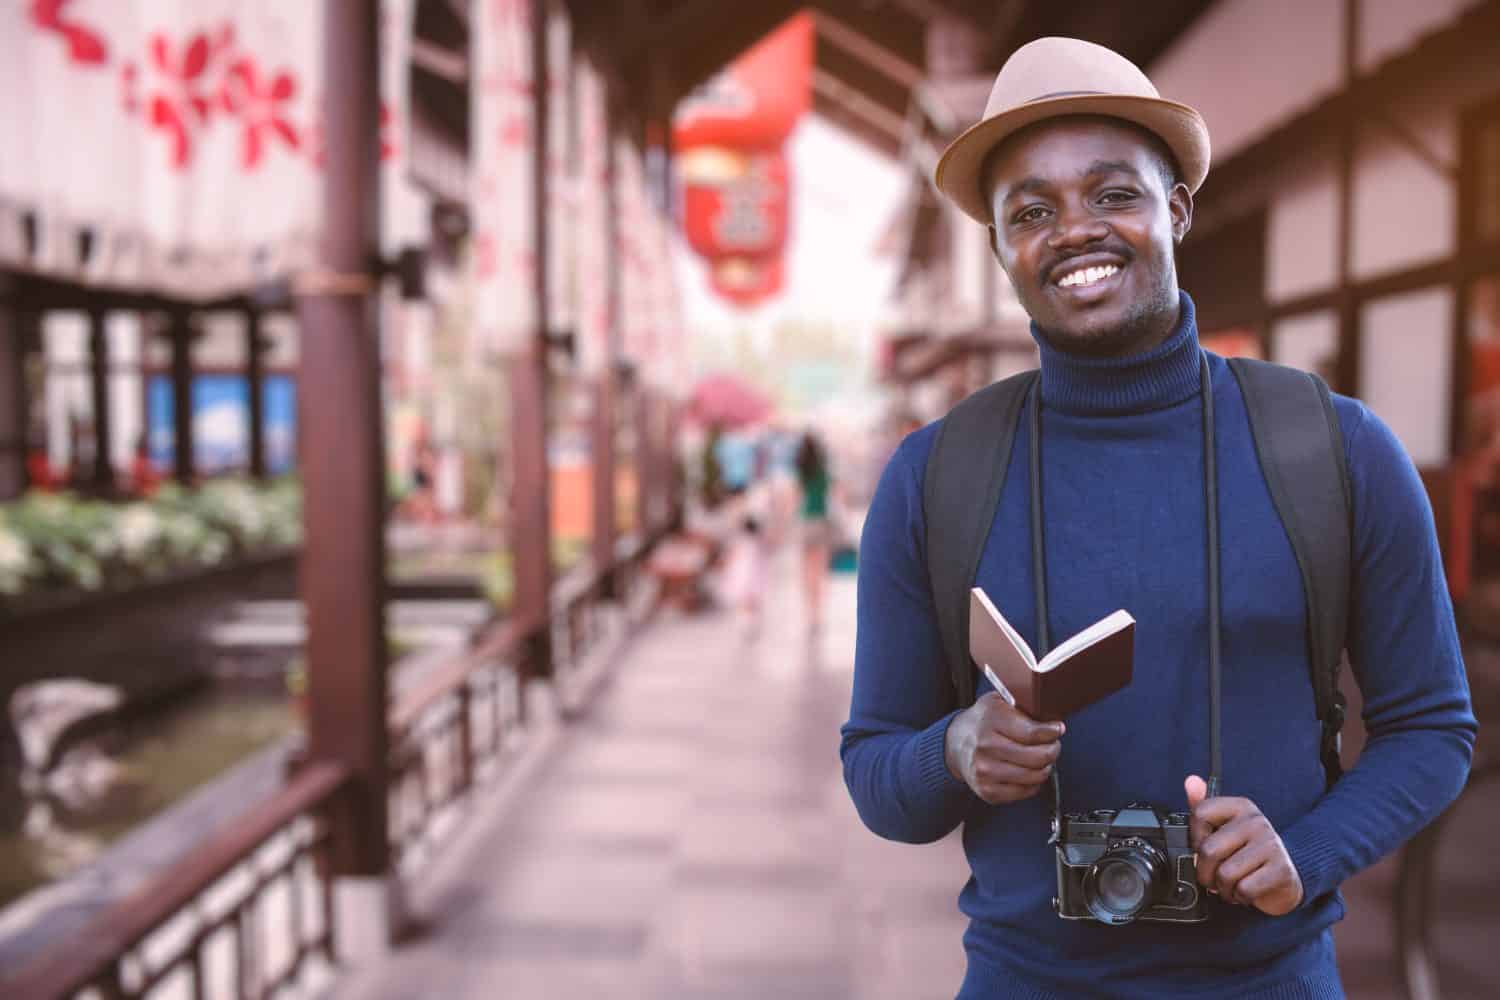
{"x":1123,"y":507}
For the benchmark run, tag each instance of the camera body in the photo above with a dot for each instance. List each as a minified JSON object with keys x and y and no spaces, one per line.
{"x":1121,"y":865}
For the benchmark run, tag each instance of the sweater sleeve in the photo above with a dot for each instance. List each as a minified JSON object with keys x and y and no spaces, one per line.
{"x":1404,"y":651}
{"x":893,"y":743}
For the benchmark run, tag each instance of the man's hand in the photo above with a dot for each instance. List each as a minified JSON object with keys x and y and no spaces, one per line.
{"x":1240,"y":855}
{"x":999,"y":751}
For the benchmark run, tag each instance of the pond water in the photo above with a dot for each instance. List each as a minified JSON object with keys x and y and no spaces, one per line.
{"x":154,"y":762}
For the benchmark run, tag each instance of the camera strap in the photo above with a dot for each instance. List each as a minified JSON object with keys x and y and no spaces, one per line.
{"x":1211,"y":541}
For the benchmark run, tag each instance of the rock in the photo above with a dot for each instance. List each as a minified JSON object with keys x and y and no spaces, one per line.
{"x":41,"y":712}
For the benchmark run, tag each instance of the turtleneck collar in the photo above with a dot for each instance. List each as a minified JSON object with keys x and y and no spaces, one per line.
{"x":1162,"y":377}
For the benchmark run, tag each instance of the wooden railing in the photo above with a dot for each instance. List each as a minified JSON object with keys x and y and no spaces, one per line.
{"x":209,"y":920}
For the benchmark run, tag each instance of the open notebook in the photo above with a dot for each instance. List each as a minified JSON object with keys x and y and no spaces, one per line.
{"x":1096,"y":662}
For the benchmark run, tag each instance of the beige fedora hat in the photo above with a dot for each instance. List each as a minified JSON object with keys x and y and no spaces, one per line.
{"x":1051,"y":77}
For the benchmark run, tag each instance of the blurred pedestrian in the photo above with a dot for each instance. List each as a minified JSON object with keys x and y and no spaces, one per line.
{"x":817,"y":525}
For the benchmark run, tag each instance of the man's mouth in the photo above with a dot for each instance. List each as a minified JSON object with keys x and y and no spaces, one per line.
{"x":1083,"y":277}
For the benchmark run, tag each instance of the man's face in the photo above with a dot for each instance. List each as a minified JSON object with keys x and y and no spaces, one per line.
{"x":1085,"y":224}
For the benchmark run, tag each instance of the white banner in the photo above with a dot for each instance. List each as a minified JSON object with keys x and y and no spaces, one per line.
{"x":501,"y":140}
{"x":562,"y":206}
{"x":591,"y":241}
{"x":169,"y":145}
{"x":634,"y":245}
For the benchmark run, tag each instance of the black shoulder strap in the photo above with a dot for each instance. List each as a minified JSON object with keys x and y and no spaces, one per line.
{"x":960,"y":491}
{"x":1301,"y":452}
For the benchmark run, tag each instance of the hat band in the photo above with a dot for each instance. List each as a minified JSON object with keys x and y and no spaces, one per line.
{"x":1068,"y":93}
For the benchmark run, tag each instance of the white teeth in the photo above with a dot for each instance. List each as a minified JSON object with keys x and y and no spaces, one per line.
{"x":1087,"y":276}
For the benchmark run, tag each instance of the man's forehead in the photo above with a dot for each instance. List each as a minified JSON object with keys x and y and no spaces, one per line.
{"x":1065,"y":149}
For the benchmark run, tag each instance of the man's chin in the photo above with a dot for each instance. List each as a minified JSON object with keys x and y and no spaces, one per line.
{"x":1092,"y":339}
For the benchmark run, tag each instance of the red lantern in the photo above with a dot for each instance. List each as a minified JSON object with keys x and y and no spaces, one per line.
{"x":756,"y":101}
{"x":735,"y":204}
{"x":746,"y":281}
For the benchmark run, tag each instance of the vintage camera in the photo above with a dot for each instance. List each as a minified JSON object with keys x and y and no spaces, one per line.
{"x":1120,"y":865}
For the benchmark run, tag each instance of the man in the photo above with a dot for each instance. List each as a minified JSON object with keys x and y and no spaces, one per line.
{"x":1086,"y":179}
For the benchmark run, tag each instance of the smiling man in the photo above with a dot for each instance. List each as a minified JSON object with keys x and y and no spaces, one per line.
{"x":1085,"y":177}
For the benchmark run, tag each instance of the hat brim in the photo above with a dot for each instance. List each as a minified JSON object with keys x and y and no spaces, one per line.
{"x":1179,"y":126}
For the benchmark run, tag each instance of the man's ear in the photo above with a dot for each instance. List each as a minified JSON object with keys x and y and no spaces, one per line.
{"x":1180,"y":204}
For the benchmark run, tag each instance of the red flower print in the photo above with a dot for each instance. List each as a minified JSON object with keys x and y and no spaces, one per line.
{"x":258,"y":103}
{"x":85,"y":46}
{"x":180,"y":104}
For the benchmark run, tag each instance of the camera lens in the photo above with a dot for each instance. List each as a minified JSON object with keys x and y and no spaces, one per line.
{"x":1128,"y":878}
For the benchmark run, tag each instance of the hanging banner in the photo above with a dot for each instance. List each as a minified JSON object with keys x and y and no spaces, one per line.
{"x":756,"y":101}
{"x":171,"y":146}
{"x":734,"y":204}
{"x":562,"y":202}
{"x":634,"y":246}
{"x":591,"y":224}
{"x":158,"y":144}
{"x":747,"y":281}
{"x":502,"y":137}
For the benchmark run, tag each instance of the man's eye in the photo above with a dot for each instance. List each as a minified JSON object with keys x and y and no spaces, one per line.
{"x":1115,"y":197}
{"x":1032,"y":214}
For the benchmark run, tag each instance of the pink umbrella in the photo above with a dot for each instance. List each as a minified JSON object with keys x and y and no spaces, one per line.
{"x":727,"y":401}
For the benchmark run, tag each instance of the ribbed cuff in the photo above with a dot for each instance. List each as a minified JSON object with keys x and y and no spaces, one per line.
{"x":1316,"y":857}
{"x":932,"y":762}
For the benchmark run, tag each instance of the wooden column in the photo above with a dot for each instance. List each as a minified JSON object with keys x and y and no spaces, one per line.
{"x":606,"y":392}
{"x":531,"y":523}
{"x":603,"y":434}
{"x":343,"y":561}
{"x":644,"y":474}
{"x":13,"y":406}
{"x":1348,"y":307}
{"x":104,"y":466}
{"x":255,"y":377}
{"x":181,"y":335}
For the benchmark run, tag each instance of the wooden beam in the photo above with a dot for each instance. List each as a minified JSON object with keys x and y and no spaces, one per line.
{"x":870,"y":112}
{"x":440,"y":62}
{"x":836,"y":32}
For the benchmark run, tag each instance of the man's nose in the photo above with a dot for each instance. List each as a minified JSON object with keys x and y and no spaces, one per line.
{"x":1076,"y":228}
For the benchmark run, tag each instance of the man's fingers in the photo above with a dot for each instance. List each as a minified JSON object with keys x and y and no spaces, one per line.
{"x":1210,"y":814}
{"x":1013,"y":723}
{"x":1034,"y":758}
{"x":1229,"y":879}
{"x":1274,"y":888}
{"x":1218,"y":811}
{"x":1001,"y":794}
{"x":990,"y":773}
{"x":1219,"y":846}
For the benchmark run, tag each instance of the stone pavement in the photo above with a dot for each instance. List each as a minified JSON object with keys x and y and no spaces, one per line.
{"x":690,"y":837}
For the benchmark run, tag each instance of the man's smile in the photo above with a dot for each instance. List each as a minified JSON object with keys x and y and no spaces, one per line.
{"x":1089,"y":276}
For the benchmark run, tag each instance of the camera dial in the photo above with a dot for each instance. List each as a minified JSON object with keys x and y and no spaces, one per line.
{"x":1130,"y":876}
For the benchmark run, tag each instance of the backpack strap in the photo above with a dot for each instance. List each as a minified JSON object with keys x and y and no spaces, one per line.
{"x":960,"y":491}
{"x":1301,"y":452}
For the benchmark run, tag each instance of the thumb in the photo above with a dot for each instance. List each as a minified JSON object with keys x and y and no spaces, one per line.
{"x":1197,"y":788}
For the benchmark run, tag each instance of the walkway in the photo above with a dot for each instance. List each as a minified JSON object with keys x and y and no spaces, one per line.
{"x":690,"y":837}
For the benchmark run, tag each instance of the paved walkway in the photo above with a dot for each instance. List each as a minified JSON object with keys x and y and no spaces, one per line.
{"x":690,"y":837}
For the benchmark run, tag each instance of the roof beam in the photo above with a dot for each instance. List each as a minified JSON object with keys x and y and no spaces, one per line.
{"x":854,"y":42}
{"x":871,"y":113}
